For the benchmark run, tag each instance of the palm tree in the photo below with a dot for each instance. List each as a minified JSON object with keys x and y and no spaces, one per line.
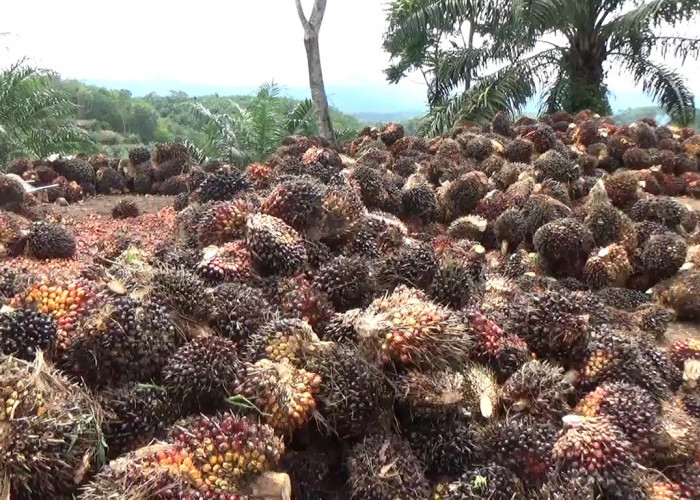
{"x":564,"y":49}
{"x":35,"y":116}
{"x":251,"y":133}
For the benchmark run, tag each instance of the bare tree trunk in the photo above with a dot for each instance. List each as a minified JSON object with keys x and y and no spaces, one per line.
{"x":312,"y":26}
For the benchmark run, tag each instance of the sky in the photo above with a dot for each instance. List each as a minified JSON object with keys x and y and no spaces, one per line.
{"x":233,"y":43}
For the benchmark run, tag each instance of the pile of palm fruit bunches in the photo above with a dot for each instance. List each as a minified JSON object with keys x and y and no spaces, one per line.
{"x":481,"y":315}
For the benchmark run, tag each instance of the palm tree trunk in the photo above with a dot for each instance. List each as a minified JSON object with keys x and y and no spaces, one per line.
{"x":312,"y":27}
{"x":587,"y":77}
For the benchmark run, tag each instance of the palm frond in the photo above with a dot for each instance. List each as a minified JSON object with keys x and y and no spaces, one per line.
{"x":298,"y":117}
{"x":663,"y":85}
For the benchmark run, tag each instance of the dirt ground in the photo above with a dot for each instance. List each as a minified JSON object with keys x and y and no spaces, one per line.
{"x":103,"y":205}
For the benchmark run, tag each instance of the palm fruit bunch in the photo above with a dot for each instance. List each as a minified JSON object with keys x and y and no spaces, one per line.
{"x":13,"y":230}
{"x":139,"y":155}
{"x":383,"y":467}
{"x":505,"y":352}
{"x":412,"y":265}
{"x":315,"y":472}
{"x":298,"y":202}
{"x":11,"y":283}
{"x":346,"y":281}
{"x":553,"y":323}
{"x":432,"y":393}
{"x":407,"y":328}
{"x":492,"y":481}
{"x":67,"y":303}
{"x":23,"y":332}
{"x":523,"y":445}
{"x":632,"y":409}
{"x":230,"y":262}
{"x":510,"y":228}
{"x":564,"y":244}
{"x":140,"y":331}
{"x":679,"y":440}
{"x":683,"y":350}
{"x":258,"y":174}
{"x":682,"y":294}
{"x":169,"y":160}
{"x":135,"y":414}
{"x":390,"y":133}
{"x":687,"y":477}
{"x":298,"y":298}
{"x":222,"y":185}
{"x":223,"y":221}
{"x":594,"y":449}
{"x":538,"y":388}
{"x":543,"y":137}
{"x":11,"y":191}
{"x":342,"y":209}
{"x":202,"y":373}
{"x":109,"y":181}
{"x":50,"y":241}
{"x":281,"y":340}
{"x":455,"y":283}
{"x":125,"y":209}
{"x":419,"y":198}
{"x":480,"y":391}
{"x":283,"y":393}
{"x":608,"y":267}
{"x":238,"y":311}
{"x":50,"y":430}
{"x":663,"y":255}
{"x":354,"y":395}
{"x":217,"y":455}
{"x":180,"y":290}
{"x":660,"y":209}
{"x":276,"y":247}
{"x":78,"y":170}
{"x":460,"y":196}
{"x":444,"y":445}
{"x":552,"y":165}
{"x":377,"y":189}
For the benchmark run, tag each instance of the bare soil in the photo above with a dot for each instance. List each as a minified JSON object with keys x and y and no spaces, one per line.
{"x":103,"y":205}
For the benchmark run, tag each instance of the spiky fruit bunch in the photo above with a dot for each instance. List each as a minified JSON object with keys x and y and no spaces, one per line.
{"x":298,"y":202}
{"x":478,"y":148}
{"x":222,"y":185}
{"x":50,"y":430}
{"x":203,"y":372}
{"x":622,"y":188}
{"x":134,"y":415}
{"x":139,"y":155}
{"x":390,"y":133}
{"x":66,"y":303}
{"x":687,"y":476}
{"x":400,"y":473}
{"x":543,"y":137}
{"x":276,"y":247}
{"x":663,"y":255}
{"x":259,"y":174}
{"x":603,"y":219}
{"x":282,"y":393}
{"x":679,"y":440}
{"x":538,"y":388}
{"x":109,"y":181}
{"x":510,"y":227}
{"x":347,"y":281}
{"x":522,"y":445}
{"x":412,"y":265}
{"x":684,"y":349}
{"x":540,"y":209}
{"x":623,"y":298}
{"x":553,"y":323}
{"x":432,"y":393}
{"x":376,"y":189}
{"x":353,"y":396}
{"x":409,"y":329}
{"x":281,"y":340}
{"x":140,"y":331}
{"x":444,"y":445}
{"x":659,"y":209}
{"x":315,"y":472}
{"x":230,"y":262}
{"x":506,"y":352}
{"x":23,"y":332}
{"x":520,"y":150}
{"x":635,"y":411}
{"x":77,"y":169}
{"x":238,"y":310}
{"x":454,"y":284}
{"x":460,"y":196}
{"x":563,"y":242}
{"x":480,"y":391}
{"x":125,"y":209}
{"x":298,"y":298}
{"x":636,"y":159}
{"x":682,"y":293}
{"x":50,"y":241}
{"x":419,"y":198}
{"x":608,"y":267}
{"x":223,"y":221}
{"x":11,"y":191}
{"x":493,"y":482}
{"x":594,"y":448}
{"x":12,"y":233}
{"x":182,"y":291}
{"x":181,"y":202}
{"x":217,"y":455}
{"x":552,"y":165}
{"x":468,"y":227}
